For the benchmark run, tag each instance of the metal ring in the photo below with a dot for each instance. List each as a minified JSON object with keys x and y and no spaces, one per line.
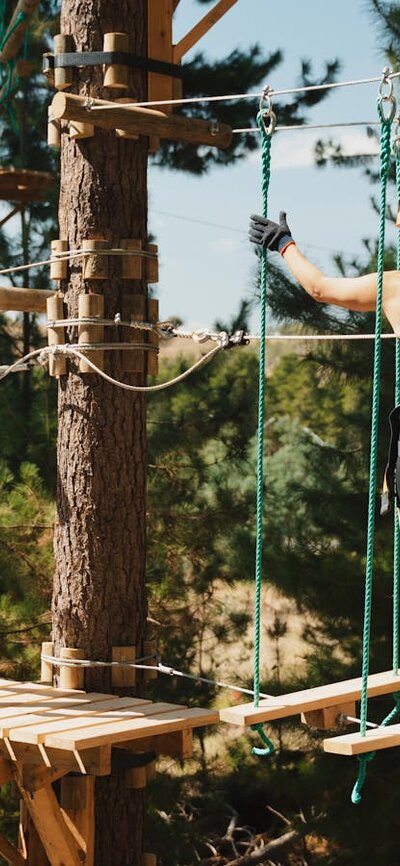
{"x":266,"y":111}
{"x":386,"y":82}
{"x":392,"y":110}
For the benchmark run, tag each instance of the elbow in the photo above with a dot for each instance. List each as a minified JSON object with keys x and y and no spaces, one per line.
{"x":317,"y":292}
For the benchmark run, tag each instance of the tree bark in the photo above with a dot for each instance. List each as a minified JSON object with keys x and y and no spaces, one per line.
{"x":99,"y":593}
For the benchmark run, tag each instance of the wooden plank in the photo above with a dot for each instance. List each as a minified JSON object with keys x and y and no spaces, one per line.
{"x":141,"y":121}
{"x":73,"y":716}
{"x":37,"y":733}
{"x":10,"y":852}
{"x":15,"y":688}
{"x":24,"y":300}
{"x":355,"y":744}
{"x":133,"y":729}
{"x":23,"y":704}
{"x":309,"y":699}
{"x":159,"y":42}
{"x":58,"y":842}
{"x":201,"y":28}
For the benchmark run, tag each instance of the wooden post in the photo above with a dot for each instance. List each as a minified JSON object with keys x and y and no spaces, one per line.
{"x":142,"y":121}
{"x":116,"y":76}
{"x":91,"y":306}
{"x":77,"y":806}
{"x":63,"y":77}
{"x":46,"y":668}
{"x":133,"y":309}
{"x":56,"y":336}
{"x":150,"y":646}
{"x":56,"y":838}
{"x":71,"y":678}
{"x":123,"y":678}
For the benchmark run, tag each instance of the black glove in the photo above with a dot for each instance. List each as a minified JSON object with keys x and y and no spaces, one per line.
{"x":270,"y":235}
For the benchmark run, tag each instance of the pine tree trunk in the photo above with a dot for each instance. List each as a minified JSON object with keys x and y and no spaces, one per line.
{"x":99,"y":594}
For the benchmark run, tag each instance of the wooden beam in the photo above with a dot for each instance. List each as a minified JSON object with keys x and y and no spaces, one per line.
{"x":142,"y":121}
{"x":355,"y":744}
{"x":12,"y":213}
{"x":77,"y":804}
{"x":176,"y":745}
{"x":6,"y":773}
{"x":56,"y":838}
{"x":304,"y":701}
{"x":200,"y":29}
{"x":96,"y":762}
{"x":159,"y":46}
{"x":24,"y":300}
{"x":13,"y":39}
{"x":10,"y":852}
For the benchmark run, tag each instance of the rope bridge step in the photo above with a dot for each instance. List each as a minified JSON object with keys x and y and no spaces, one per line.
{"x":357,"y":744}
{"x":332,"y":695}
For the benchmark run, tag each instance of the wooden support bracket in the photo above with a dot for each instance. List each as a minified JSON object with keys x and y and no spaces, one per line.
{"x":46,"y":668}
{"x":177,"y":745}
{"x":142,"y":121}
{"x":95,"y":267}
{"x":149,"y":860}
{"x":58,"y":841}
{"x":133,"y":309}
{"x":328,"y":718}
{"x":90,"y":762}
{"x":152,"y":358}
{"x":24,"y":300}
{"x":53,"y":130}
{"x":150,"y":646}
{"x":123,"y":678}
{"x":152,"y":263}
{"x":132,"y":266}
{"x":201,"y":28}
{"x":59,"y":267}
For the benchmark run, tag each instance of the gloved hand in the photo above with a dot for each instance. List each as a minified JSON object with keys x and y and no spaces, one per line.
{"x":270,"y":235}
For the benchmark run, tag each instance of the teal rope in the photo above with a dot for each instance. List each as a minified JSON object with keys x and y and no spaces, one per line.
{"x":21,"y":17}
{"x":369,"y":572}
{"x":396,"y":542}
{"x":266,"y":174}
{"x":364,"y":760}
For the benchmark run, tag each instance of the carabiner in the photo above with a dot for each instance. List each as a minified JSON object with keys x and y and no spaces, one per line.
{"x":388,"y":96}
{"x":266,"y":111}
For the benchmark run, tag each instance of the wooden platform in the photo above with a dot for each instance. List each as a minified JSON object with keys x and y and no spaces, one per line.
{"x":310,"y":700}
{"x":40,"y":724}
{"x":24,"y":185}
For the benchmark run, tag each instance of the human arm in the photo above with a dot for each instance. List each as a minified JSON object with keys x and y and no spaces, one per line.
{"x":353,"y":293}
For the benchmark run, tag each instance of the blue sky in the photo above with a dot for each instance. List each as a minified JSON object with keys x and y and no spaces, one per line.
{"x":206,"y":270}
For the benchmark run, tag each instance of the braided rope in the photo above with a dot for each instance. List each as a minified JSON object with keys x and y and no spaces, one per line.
{"x":266,"y":174}
{"x":369,"y":571}
{"x":396,"y":541}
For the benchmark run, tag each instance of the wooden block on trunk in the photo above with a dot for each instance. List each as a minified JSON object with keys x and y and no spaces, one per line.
{"x":56,"y":336}
{"x":46,"y":668}
{"x":124,"y":133}
{"x":133,"y":309}
{"x":116,"y":75}
{"x":136,"y":778}
{"x":53,"y":130}
{"x":95,"y":267}
{"x":79,"y":130}
{"x":91,"y":306}
{"x":6,"y":774}
{"x":132,"y":266}
{"x":58,"y":267}
{"x":123,"y":678}
{"x":329,"y":717}
{"x":151,"y":263}
{"x":149,"y":860}
{"x":71,"y":677}
{"x":63,"y":77}
{"x":153,"y":340}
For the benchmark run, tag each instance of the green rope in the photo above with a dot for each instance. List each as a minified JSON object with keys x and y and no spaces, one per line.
{"x":21,"y":17}
{"x":384,"y":171}
{"x":266,"y":173}
{"x":396,"y":542}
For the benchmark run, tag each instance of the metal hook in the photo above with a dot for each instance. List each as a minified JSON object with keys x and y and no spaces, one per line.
{"x":267,"y":112}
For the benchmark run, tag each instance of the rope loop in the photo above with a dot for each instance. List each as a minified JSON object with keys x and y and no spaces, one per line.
{"x":270,"y":748}
{"x":363,"y":760}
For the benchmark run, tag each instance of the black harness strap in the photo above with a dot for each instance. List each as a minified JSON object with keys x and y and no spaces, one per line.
{"x":109,"y":58}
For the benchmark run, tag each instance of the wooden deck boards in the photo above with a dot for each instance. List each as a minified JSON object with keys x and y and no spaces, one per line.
{"x":355,"y":744}
{"x":304,"y":701}
{"x":33,"y":715}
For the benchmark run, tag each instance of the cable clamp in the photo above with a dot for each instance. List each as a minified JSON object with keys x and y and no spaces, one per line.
{"x":165,"y":330}
{"x":239,"y":338}
{"x":164,"y":669}
{"x":223,"y":340}
{"x":201,"y":336}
